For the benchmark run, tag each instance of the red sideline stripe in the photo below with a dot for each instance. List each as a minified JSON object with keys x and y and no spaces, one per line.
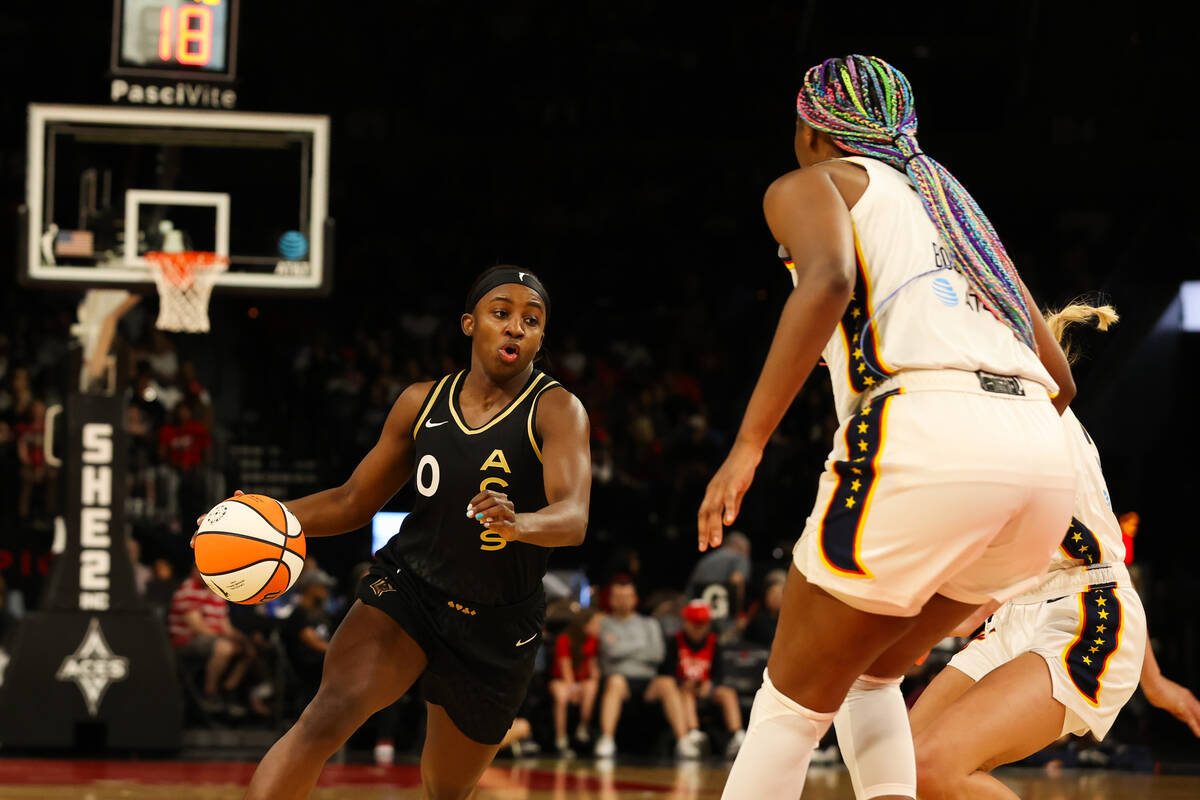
{"x":51,"y":772}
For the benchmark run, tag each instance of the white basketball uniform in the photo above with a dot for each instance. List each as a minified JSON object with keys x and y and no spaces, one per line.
{"x":1084,"y":618}
{"x":949,"y":472}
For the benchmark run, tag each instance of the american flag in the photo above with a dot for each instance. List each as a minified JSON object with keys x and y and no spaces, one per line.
{"x":73,"y":243}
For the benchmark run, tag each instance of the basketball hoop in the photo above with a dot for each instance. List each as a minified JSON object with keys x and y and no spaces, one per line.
{"x":185,"y":281}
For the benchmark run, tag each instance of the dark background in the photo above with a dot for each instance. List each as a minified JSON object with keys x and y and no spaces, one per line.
{"x":620,"y":149}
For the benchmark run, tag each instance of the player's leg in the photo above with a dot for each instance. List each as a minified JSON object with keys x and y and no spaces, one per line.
{"x":872,"y":723}
{"x":946,"y":687}
{"x":370,"y":663}
{"x":821,"y":646}
{"x":451,"y":763}
{"x":1009,"y":714}
{"x":664,"y":690}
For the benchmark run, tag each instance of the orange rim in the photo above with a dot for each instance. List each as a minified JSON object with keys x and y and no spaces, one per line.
{"x":178,"y":268}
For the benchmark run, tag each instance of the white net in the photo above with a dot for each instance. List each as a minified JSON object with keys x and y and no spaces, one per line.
{"x":185,"y":281}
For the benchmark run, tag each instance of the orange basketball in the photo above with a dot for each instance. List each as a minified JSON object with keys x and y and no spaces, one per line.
{"x":250,"y":549}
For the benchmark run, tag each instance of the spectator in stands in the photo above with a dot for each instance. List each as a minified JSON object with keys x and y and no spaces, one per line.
{"x":631,"y":648}
{"x":35,"y":472}
{"x":575,"y":677}
{"x":8,"y":622}
{"x":184,"y":444}
{"x":146,"y":395}
{"x":142,"y":573}
{"x":16,"y":399}
{"x":761,"y":627}
{"x":162,"y":359}
{"x":160,"y":589}
{"x":720,"y":577}
{"x":308,"y":628}
{"x":195,"y":393}
{"x":693,"y":660}
{"x":200,"y":629}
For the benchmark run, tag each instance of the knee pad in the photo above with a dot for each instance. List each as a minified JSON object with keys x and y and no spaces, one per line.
{"x":770,"y":703}
{"x":876,"y":740}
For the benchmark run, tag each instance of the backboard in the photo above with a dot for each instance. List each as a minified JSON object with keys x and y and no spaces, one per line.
{"x":108,"y":184}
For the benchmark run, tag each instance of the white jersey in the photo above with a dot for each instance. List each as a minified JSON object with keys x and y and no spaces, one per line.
{"x":910,"y":309}
{"x":1095,"y":535}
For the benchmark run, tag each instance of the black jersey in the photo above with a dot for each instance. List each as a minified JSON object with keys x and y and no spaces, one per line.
{"x":454,"y":462}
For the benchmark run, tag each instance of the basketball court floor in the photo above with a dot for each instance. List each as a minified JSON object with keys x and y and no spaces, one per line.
{"x":47,"y":779}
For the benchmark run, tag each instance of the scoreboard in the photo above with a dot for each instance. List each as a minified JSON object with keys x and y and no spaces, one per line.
{"x":175,"y":39}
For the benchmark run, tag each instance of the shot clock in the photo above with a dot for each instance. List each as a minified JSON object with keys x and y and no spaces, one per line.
{"x":175,"y":39}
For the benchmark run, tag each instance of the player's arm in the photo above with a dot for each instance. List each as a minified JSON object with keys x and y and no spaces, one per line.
{"x":566,"y":474}
{"x":807,"y":215}
{"x":377,"y":477}
{"x":1051,"y":354}
{"x":1168,"y":695}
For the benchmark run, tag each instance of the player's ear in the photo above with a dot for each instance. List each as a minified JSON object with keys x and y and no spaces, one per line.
{"x":468,"y":324}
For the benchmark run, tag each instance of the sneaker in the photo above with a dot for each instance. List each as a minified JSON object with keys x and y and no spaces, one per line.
{"x":735,"y":744}
{"x":687,"y":747}
{"x":829,"y":755}
{"x":529,"y":748}
{"x":562,"y":746}
{"x":211,"y":704}
{"x":605,"y":747}
{"x":384,"y":753}
{"x":582,"y":734}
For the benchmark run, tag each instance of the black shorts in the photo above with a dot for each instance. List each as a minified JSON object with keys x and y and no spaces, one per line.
{"x":480,"y":658}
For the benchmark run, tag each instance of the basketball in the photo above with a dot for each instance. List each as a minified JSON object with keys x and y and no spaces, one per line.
{"x":250,"y":549}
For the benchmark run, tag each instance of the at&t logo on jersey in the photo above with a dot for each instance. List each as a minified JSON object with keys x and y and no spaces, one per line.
{"x":944,"y":292}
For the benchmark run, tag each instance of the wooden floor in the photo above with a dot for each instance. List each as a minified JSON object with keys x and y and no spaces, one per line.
{"x":45,"y":779}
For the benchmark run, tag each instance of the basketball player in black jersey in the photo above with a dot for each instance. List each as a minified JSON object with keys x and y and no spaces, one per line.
{"x":499,"y":455}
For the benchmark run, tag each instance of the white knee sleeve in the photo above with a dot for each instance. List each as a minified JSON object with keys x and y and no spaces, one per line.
{"x":779,"y":743}
{"x":876,"y":740}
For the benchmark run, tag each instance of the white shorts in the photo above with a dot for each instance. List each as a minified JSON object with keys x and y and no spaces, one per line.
{"x":1093,"y":642}
{"x":939,"y":486}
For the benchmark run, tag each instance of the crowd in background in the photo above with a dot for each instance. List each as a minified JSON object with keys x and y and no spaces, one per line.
{"x":640,"y":627}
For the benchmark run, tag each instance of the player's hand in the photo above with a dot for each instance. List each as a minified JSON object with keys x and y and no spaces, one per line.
{"x":200,"y":519}
{"x":494,"y":511}
{"x":1170,"y":696}
{"x":723,"y":498}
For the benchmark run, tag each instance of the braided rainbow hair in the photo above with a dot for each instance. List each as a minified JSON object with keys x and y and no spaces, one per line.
{"x":866,"y":105}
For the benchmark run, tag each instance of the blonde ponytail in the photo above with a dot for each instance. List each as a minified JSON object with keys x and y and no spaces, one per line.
{"x":1077,"y":314}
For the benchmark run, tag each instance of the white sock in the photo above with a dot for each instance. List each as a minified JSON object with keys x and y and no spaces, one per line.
{"x":876,"y":740}
{"x":779,"y":742}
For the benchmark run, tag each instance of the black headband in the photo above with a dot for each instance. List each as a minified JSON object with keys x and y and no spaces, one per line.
{"x":502,"y":276}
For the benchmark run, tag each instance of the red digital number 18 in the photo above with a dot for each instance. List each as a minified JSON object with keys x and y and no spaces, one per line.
{"x":200,"y":33}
